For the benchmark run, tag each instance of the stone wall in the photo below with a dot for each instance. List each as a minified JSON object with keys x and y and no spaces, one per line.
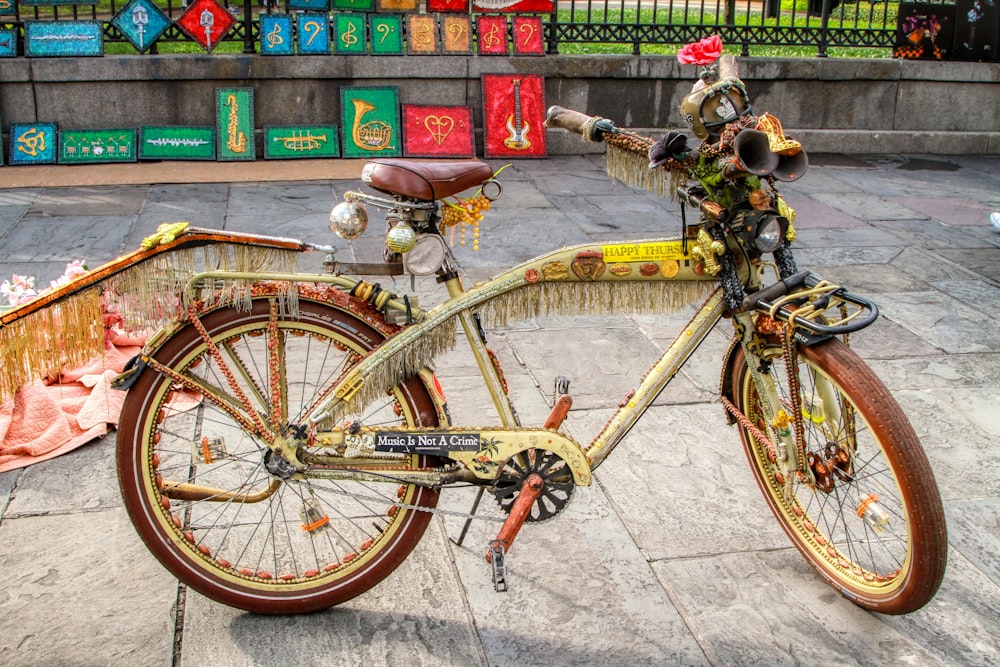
{"x":832,"y":105}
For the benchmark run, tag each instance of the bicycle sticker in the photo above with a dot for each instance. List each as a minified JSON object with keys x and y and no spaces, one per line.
{"x":426,"y":443}
{"x":643,"y":252}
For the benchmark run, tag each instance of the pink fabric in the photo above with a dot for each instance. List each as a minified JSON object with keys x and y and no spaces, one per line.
{"x":46,"y":419}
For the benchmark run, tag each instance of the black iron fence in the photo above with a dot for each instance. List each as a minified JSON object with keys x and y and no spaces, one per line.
{"x":631,"y":26}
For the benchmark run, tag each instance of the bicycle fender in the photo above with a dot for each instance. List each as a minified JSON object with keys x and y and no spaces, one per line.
{"x":726,"y":389}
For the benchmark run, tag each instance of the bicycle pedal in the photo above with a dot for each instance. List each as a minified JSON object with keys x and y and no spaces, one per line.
{"x":562,"y":402}
{"x":499,"y":566}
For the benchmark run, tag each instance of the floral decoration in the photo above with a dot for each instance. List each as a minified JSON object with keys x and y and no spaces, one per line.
{"x":21,"y":289}
{"x":703,"y":52}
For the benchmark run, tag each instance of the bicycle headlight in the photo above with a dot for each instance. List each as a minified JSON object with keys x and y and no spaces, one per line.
{"x":349,"y":220}
{"x":761,"y":230}
{"x":426,"y":256}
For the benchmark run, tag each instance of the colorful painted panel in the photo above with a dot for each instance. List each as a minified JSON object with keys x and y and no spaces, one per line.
{"x":308,"y":5}
{"x":276,"y":36}
{"x":176,"y":143}
{"x":355,"y":5}
{"x":398,"y":5}
{"x":370,"y":121}
{"x":8,"y":44}
{"x":514,"y":6}
{"x":529,"y":39}
{"x":301,"y":141}
{"x":422,"y":34}
{"x":88,"y":146}
{"x":142,"y":23}
{"x":33,"y":143}
{"x":977,"y":23}
{"x":234,"y":124}
{"x":924,"y":31}
{"x":442,"y":6}
{"x":51,"y":3}
{"x":7,"y":8}
{"x":314,"y":34}
{"x":437,"y":131}
{"x":387,"y":34}
{"x":63,"y":38}
{"x":206,"y":22}
{"x":513,"y":112}
{"x":350,"y":32}
{"x":456,"y":35}
{"x":491,"y":32}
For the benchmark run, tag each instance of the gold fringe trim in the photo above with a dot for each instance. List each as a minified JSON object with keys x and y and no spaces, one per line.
{"x":69,"y":332}
{"x":403,"y":362}
{"x":631,"y":167}
{"x":400,"y":358}
{"x":148,"y":294}
{"x":593,"y":298}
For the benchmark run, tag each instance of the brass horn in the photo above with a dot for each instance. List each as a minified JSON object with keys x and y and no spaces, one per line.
{"x":752,"y":156}
{"x":791,"y":167}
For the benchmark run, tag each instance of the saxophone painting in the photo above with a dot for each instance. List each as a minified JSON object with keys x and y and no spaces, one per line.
{"x":234,"y":124}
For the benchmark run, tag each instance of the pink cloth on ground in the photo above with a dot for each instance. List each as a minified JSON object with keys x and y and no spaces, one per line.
{"x":46,"y":419}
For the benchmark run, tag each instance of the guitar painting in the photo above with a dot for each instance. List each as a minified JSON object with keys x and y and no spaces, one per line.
{"x":513,"y":115}
{"x":518,"y":129}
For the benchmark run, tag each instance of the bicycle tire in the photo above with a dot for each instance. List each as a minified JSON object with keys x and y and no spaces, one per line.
{"x":891,"y":568}
{"x":308,"y":544}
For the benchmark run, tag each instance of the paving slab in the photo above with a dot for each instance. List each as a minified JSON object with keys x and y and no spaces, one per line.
{"x":670,"y":557}
{"x":984,"y":261}
{"x":961,"y":451}
{"x":941,"y":321}
{"x":415,"y":617}
{"x":80,"y":588}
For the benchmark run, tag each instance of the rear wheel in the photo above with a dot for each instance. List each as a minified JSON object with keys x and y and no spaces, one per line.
{"x":206,"y":500}
{"x":870,"y":521}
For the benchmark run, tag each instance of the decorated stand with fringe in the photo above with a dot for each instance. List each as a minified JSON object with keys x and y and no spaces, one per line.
{"x":64,"y":328}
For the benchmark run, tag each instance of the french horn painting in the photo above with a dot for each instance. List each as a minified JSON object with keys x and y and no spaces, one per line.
{"x":370,"y":118}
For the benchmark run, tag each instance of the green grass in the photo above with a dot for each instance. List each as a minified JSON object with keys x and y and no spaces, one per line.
{"x":863,"y":15}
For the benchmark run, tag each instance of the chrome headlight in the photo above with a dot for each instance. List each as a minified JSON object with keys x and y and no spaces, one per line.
{"x":349,"y":220}
{"x":762,"y":231}
{"x":769,"y":234}
{"x":426,"y":256}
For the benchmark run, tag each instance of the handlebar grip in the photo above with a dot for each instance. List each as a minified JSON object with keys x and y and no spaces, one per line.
{"x":574,"y":121}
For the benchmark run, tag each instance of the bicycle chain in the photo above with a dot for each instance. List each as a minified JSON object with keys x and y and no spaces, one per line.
{"x":418,"y":508}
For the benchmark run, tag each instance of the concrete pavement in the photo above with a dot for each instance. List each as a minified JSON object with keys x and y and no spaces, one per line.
{"x":671,"y":558}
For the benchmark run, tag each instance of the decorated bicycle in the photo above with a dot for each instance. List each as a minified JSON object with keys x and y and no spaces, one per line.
{"x":284,"y":441}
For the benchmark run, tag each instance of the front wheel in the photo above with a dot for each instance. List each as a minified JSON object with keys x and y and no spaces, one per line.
{"x":202,"y":492}
{"x":869,"y":518}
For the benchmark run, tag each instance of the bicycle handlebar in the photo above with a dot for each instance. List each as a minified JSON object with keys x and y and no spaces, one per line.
{"x":591,"y":128}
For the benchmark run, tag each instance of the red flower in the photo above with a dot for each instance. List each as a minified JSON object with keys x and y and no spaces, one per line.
{"x":702,"y":52}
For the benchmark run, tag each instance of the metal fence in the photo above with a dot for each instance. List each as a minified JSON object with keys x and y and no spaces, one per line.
{"x":635,"y":26}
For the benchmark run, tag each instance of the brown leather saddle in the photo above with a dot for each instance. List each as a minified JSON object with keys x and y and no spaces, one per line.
{"x":425,"y":181}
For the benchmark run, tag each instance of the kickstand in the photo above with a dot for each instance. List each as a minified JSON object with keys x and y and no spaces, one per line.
{"x":468,"y":521}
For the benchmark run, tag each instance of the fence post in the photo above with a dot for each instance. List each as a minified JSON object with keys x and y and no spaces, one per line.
{"x":248,"y":43}
{"x":824,"y":24}
{"x":553,"y":41}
